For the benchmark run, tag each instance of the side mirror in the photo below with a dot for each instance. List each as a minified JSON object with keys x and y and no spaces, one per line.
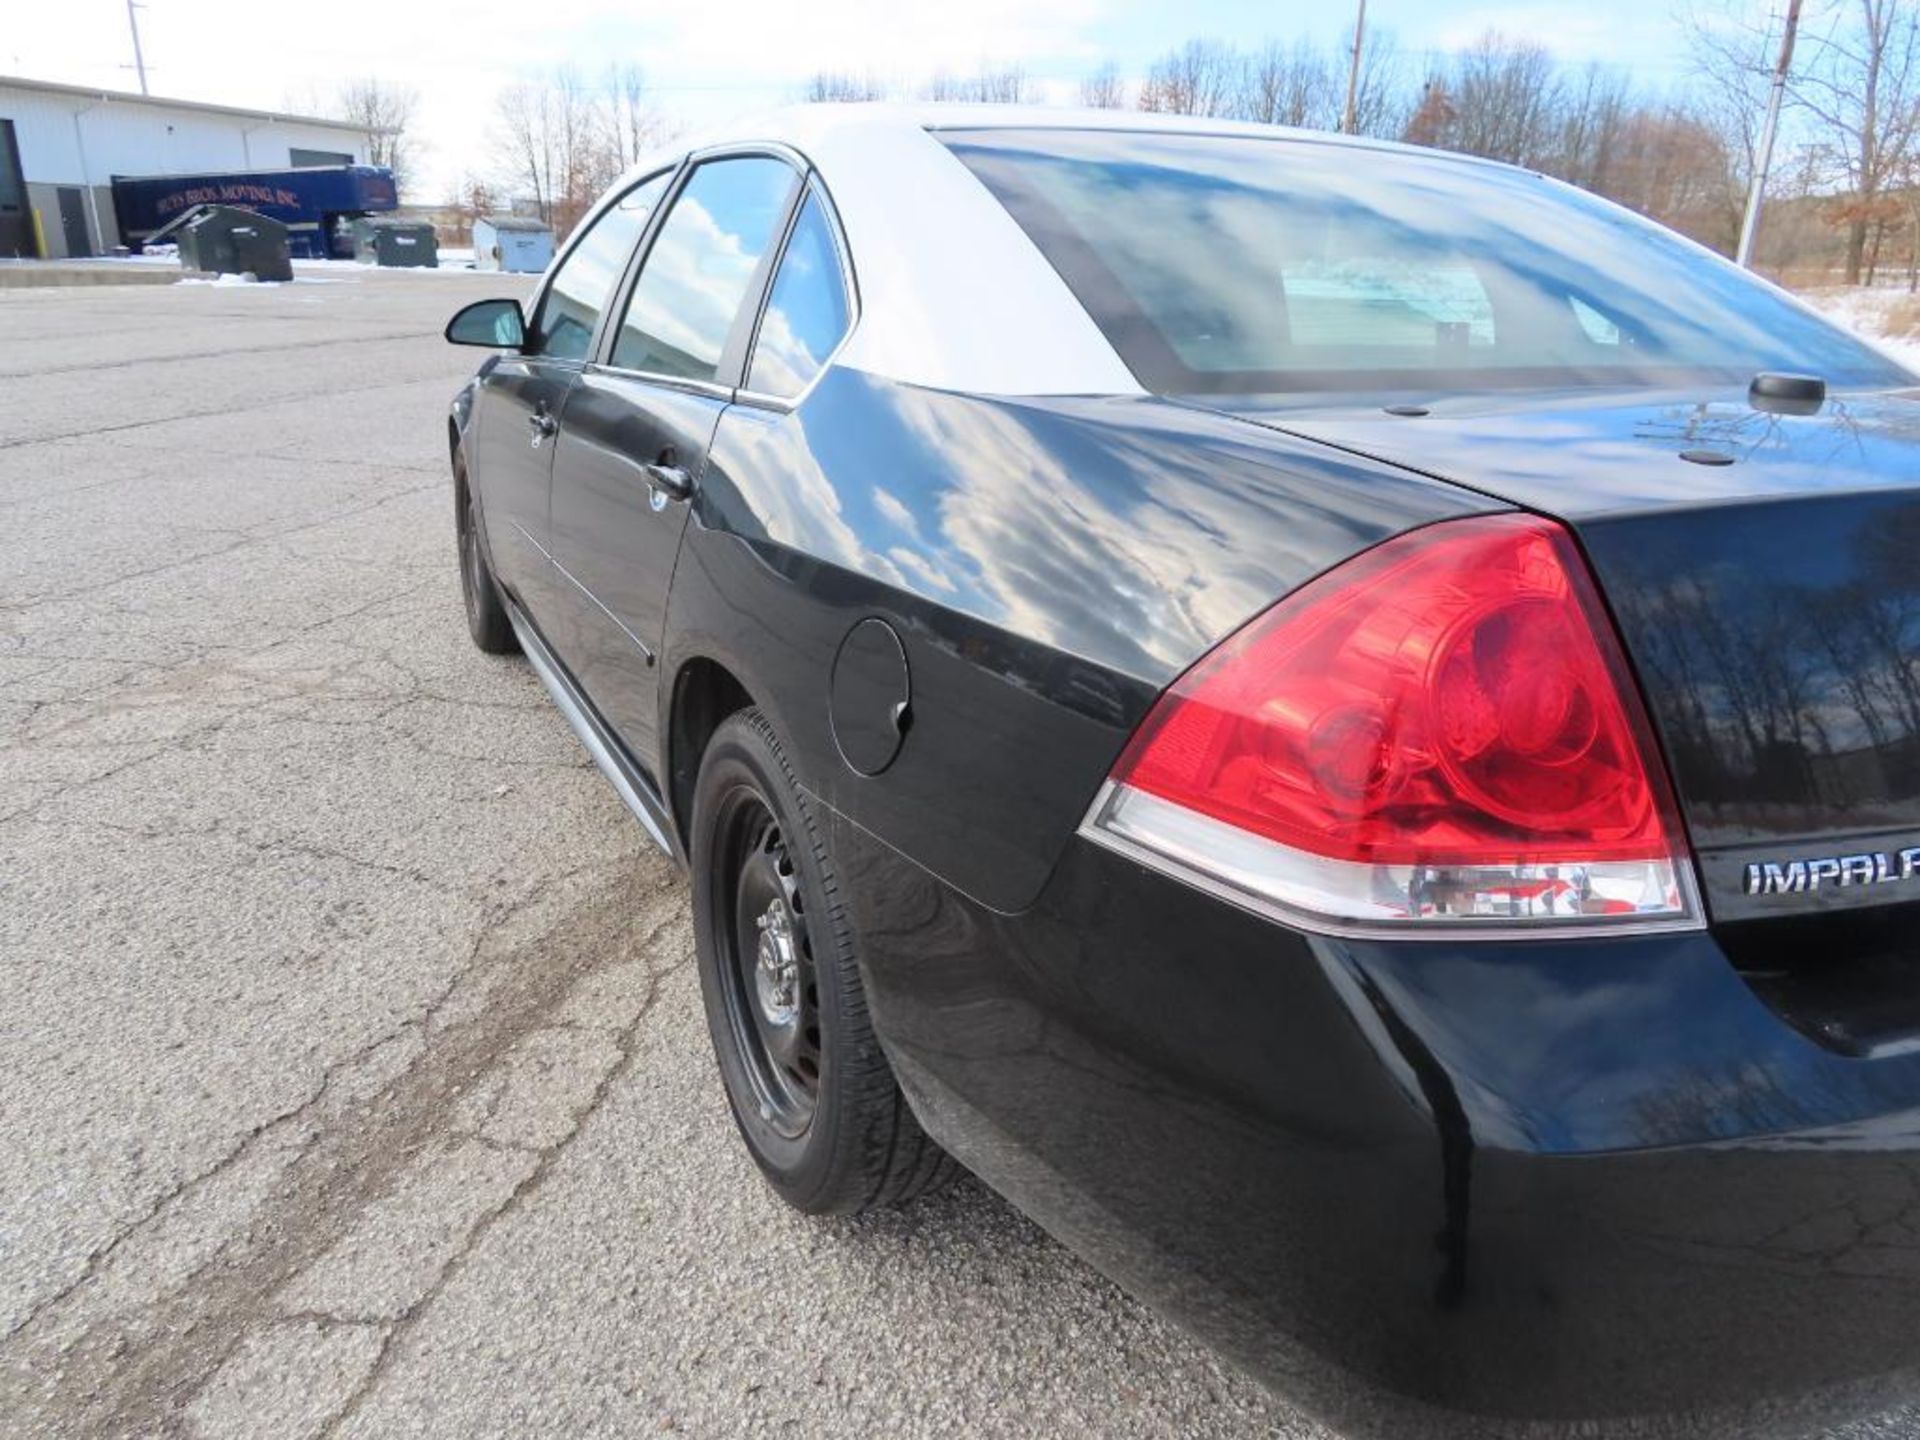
{"x":496,"y":324}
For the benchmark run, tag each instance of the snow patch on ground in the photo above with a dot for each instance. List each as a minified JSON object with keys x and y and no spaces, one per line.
{"x":324,"y":272}
{"x":1869,"y":314}
{"x":223,"y":281}
{"x":462,"y":263}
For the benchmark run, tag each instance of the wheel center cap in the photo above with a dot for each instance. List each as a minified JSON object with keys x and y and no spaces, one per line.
{"x":776,"y":973}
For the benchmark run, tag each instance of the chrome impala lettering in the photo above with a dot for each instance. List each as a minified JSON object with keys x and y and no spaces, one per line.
{"x":1793,"y":877}
{"x":1775,"y":879}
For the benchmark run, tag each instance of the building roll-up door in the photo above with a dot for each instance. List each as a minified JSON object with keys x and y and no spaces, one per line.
{"x":17,"y":238}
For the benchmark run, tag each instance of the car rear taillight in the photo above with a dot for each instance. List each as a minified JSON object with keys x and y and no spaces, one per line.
{"x":1440,"y":733}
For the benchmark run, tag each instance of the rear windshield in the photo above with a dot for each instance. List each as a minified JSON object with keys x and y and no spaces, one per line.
{"x":1236,"y":265}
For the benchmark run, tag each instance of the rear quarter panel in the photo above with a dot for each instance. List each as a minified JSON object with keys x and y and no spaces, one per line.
{"x":1050,"y":564}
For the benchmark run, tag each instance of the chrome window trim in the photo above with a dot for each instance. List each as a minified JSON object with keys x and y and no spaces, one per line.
{"x":775,"y":149}
{"x":531,"y":308}
{"x":670,"y":382}
{"x":760,"y":400}
{"x":849,"y":286}
{"x":610,"y":339}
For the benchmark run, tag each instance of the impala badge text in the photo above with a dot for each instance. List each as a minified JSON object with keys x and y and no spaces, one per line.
{"x":1792,"y":877}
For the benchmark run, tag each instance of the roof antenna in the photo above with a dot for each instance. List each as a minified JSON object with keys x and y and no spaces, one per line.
{"x":1784,"y":394}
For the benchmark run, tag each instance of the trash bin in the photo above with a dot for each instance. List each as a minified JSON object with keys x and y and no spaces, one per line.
{"x":226,"y":240}
{"x":512,"y":243}
{"x":395,"y":243}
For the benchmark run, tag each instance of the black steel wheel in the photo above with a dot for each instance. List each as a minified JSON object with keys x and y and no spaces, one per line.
{"x":772,"y":1001}
{"x":812,"y":1094}
{"x":487,"y":618}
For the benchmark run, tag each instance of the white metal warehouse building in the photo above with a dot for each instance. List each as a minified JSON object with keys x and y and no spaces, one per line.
{"x":61,"y":145}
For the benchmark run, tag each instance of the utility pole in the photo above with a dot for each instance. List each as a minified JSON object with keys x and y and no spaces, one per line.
{"x":139,"y":60}
{"x":1750,"y":223}
{"x":1349,"y":122}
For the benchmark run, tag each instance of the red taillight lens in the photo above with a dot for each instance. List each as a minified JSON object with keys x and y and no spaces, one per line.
{"x":1442,"y":728}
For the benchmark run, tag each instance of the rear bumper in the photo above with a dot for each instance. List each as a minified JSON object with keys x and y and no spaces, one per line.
{"x":1423,"y":1188}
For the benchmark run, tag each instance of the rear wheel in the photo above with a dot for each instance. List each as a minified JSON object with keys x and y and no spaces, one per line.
{"x":810,"y":1090}
{"x":487,"y":618}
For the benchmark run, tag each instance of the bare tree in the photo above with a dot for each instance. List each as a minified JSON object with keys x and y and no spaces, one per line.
{"x":1731,"y":57}
{"x":1861,"y":86}
{"x":989,"y":85}
{"x":1909,"y":188}
{"x":1668,"y":163}
{"x":523,"y":143}
{"x":1432,"y":120}
{"x":1585,"y":133}
{"x":1500,"y":98}
{"x":1104,"y":89}
{"x":1510,"y":101}
{"x":630,"y":125}
{"x":1382,"y":100}
{"x":470,"y":199}
{"x":1289,"y":85}
{"x":838,"y":85}
{"x":576,"y":124}
{"x":1505,"y":94}
{"x":385,"y":112}
{"x":1277,"y":84}
{"x":550,"y":143}
{"x":1202,"y":77}
{"x":1002,"y":85}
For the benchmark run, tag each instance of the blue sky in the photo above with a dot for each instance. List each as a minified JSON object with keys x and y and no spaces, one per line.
{"x":709,"y":60}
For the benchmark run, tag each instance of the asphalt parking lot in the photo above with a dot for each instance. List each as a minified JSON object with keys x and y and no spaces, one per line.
{"x":353,"y":1078}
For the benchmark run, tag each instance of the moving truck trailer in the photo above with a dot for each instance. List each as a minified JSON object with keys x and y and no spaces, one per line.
{"x":317,"y":204}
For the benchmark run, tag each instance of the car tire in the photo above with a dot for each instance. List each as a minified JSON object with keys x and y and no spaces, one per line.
{"x":812,"y":1094}
{"x":487,"y":618}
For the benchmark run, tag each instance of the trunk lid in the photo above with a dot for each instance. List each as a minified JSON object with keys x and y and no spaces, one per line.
{"x":1767,"y":591}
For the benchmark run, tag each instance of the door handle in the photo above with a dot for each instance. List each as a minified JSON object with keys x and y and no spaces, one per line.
{"x":669,"y":480}
{"x":543,"y":426}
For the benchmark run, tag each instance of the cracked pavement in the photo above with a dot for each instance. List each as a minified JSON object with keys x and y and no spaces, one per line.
{"x":353,"y":1075}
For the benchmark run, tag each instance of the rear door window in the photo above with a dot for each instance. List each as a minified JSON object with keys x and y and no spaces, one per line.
{"x":807,"y":312}
{"x":702,"y":267}
{"x":583,"y":285}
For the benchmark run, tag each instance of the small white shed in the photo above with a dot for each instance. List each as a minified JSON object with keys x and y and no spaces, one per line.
{"x":507,"y":242}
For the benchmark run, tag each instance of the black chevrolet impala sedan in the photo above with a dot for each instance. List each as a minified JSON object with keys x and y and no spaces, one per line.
{"x":1341,"y":724}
